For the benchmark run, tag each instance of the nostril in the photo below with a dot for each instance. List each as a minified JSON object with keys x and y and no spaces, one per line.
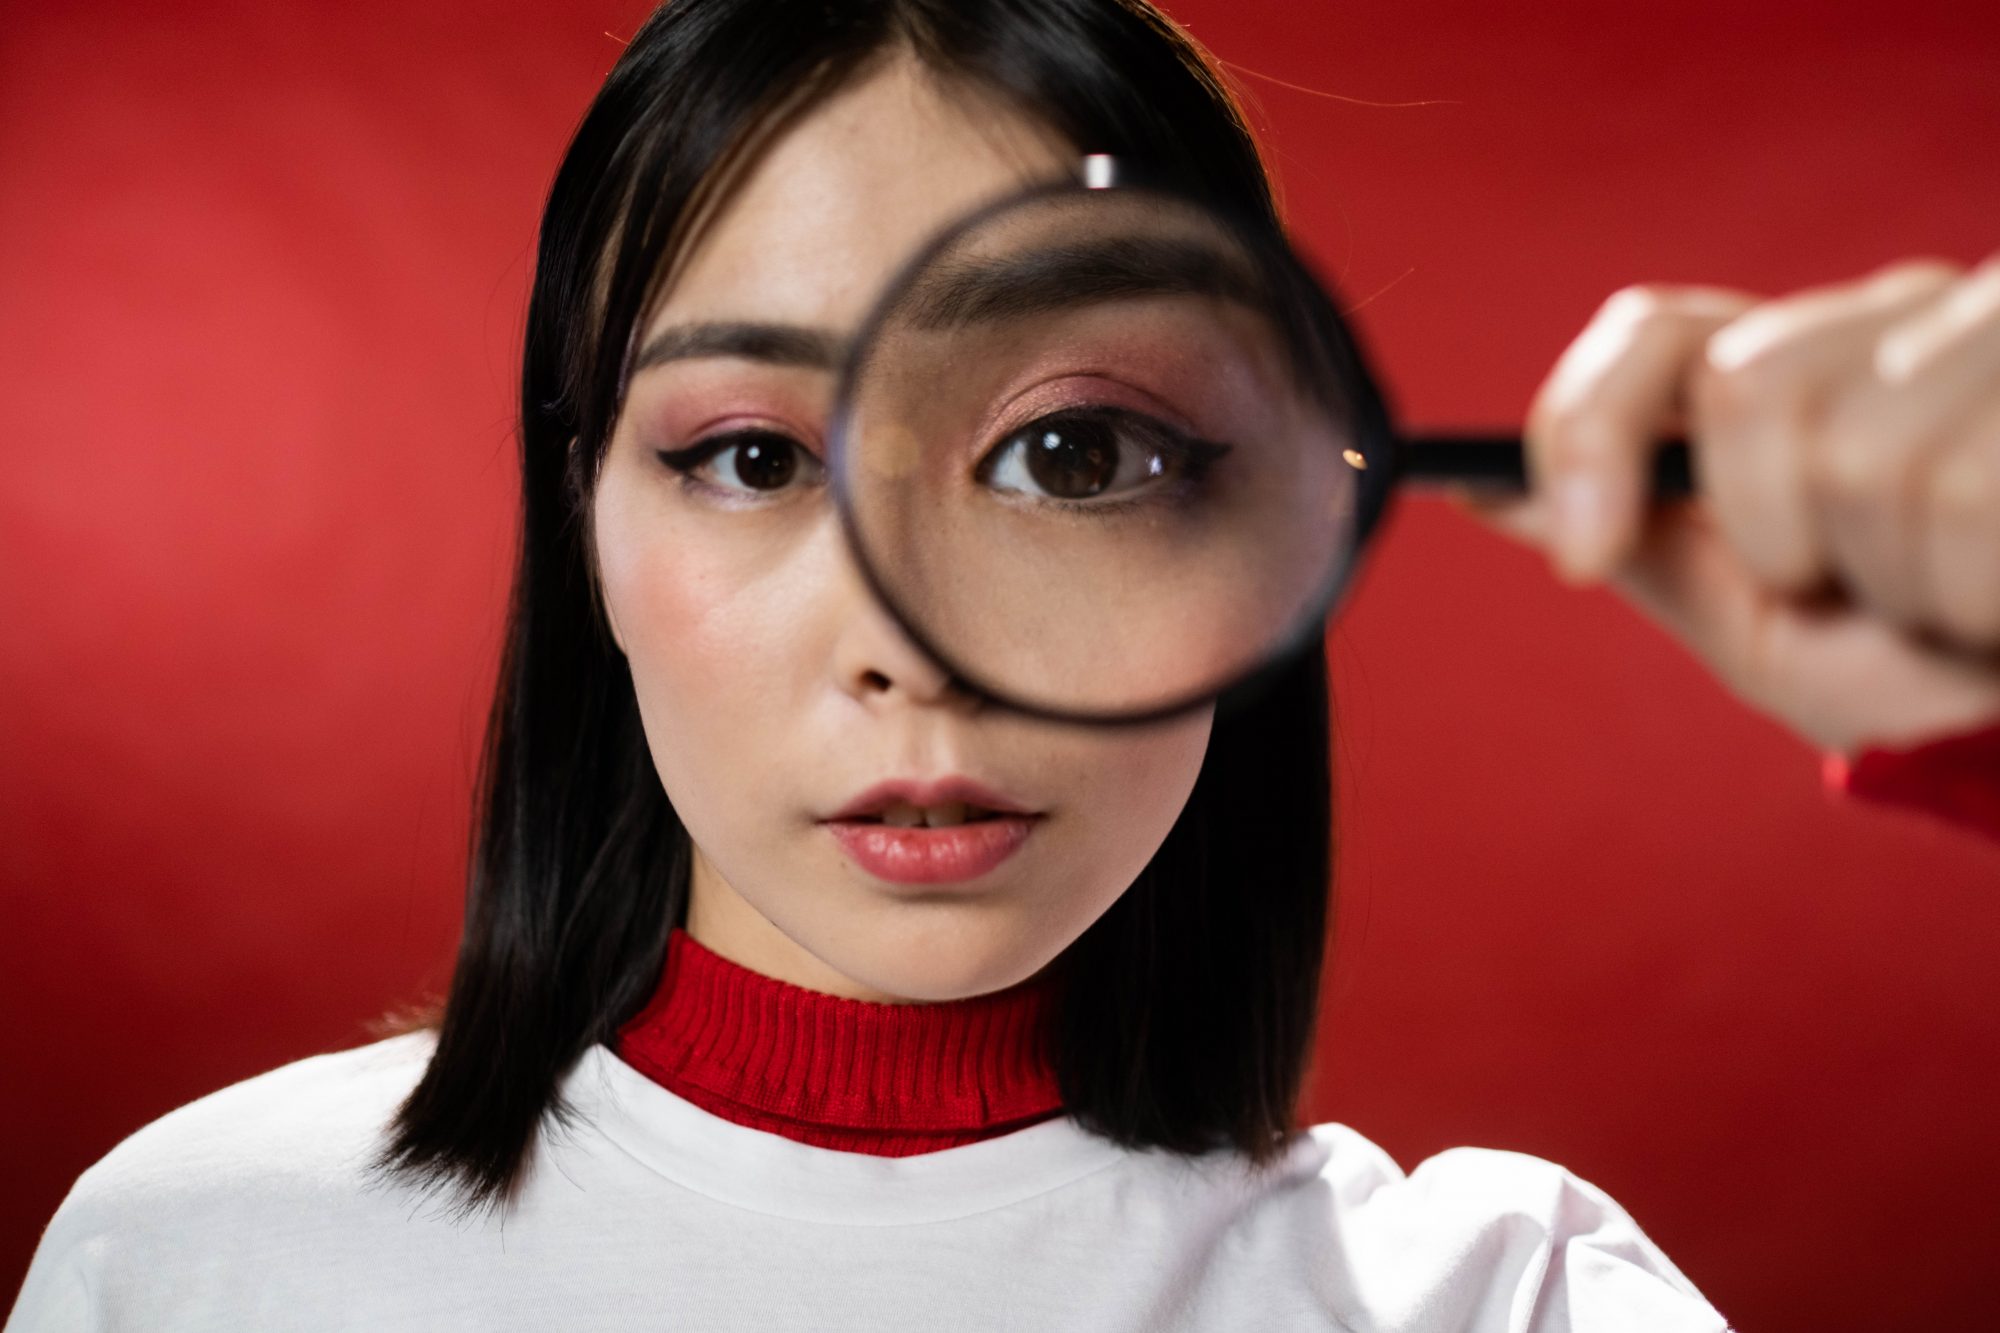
{"x":875,"y":680}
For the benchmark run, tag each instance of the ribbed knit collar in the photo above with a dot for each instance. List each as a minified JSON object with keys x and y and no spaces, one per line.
{"x":889,"y":1079}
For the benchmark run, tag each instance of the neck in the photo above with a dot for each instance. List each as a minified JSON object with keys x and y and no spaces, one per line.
{"x":888,"y":1079}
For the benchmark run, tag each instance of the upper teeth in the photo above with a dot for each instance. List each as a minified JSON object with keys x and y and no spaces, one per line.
{"x":904,"y":815}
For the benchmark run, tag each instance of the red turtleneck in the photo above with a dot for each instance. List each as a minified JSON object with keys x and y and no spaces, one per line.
{"x":1955,"y":778}
{"x":889,"y":1079}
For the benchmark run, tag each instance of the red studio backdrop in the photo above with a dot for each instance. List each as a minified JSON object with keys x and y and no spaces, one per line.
{"x":262,"y":270}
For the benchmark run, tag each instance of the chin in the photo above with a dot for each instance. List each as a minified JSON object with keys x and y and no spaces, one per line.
{"x":931,"y":963}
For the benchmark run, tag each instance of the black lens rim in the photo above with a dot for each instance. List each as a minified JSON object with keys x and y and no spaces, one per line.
{"x":1320,"y":321}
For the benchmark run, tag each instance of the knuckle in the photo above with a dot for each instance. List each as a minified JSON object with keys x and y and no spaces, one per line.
{"x":1722,"y":386}
{"x":1979,"y":291}
{"x":1764,"y":348}
{"x":1640,"y":303}
{"x":1669,"y":302}
{"x":1986,"y":273}
{"x":1915,"y":274}
{"x":1957,"y":324}
{"x":1849,"y":468}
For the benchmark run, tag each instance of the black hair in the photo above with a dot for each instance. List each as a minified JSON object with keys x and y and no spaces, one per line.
{"x":1186,"y":1012}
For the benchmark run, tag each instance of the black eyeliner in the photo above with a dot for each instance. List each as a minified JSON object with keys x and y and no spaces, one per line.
{"x":685,"y":460}
{"x":1193,"y":454}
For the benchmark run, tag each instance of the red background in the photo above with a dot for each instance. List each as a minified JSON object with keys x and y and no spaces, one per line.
{"x":261,"y":275}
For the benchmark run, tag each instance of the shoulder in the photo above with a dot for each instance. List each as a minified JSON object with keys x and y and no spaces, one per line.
{"x":1476,"y":1238}
{"x":242,"y":1166}
{"x":302,"y":1123}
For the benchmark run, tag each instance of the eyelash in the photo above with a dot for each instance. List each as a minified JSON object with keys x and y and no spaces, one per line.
{"x":1190,"y":455}
{"x":686,"y":461}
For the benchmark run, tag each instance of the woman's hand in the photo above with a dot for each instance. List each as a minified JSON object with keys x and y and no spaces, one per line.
{"x":1841,"y":568}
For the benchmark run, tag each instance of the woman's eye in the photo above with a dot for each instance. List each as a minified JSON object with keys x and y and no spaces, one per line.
{"x":746,"y":461}
{"x":1078,"y":457}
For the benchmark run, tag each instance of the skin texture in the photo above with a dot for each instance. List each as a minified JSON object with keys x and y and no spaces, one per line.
{"x":772,"y":686}
{"x":1841,"y":571}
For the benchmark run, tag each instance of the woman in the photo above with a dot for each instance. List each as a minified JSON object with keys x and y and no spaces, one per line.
{"x":714,"y":1057}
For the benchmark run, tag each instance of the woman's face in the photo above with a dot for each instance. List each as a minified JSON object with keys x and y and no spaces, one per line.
{"x":773,"y":688}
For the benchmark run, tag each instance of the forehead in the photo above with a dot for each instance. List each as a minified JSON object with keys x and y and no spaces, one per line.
{"x":820,"y":220}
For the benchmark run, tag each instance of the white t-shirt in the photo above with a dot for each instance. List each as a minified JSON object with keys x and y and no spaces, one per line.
{"x":249,"y":1210}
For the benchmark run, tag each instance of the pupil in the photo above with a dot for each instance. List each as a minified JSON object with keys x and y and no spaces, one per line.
{"x":1076,"y":461}
{"x":765,"y":464}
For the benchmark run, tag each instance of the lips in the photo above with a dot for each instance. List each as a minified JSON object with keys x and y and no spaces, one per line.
{"x":884,"y":830}
{"x":949,"y":790}
{"x":954,"y":855}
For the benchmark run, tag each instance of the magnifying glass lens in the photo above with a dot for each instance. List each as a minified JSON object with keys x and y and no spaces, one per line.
{"x":1087,"y":453}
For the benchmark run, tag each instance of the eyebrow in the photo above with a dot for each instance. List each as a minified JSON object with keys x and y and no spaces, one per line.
{"x":1063,"y":276}
{"x":970,"y":292}
{"x":775,"y":344}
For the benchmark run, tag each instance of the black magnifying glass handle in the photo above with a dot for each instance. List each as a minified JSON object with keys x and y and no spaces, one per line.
{"x":1498,"y":463}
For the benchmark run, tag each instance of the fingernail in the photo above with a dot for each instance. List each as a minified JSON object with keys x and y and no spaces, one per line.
{"x":1583,"y":521}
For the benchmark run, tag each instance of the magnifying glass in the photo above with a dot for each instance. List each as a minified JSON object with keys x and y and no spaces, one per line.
{"x":1107,"y":453}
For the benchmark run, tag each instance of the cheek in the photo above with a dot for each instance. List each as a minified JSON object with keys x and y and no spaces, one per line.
{"x":715,"y":647}
{"x":1133,"y":787}
{"x":670,"y":601}
{"x":1156,"y":775}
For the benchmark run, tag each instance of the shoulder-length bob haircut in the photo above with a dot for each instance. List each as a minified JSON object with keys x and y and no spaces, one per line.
{"x":1186,"y":1012}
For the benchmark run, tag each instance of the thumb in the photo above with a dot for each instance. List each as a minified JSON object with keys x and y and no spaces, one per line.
{"x":1523,"y":518}
{"x":1681,"y":576}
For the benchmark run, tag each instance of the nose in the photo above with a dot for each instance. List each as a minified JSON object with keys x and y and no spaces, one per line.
{"x":875,"y":660}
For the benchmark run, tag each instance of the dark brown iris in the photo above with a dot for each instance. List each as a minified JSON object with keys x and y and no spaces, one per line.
{"x":1074,"y":460}
{"x":766,"y":463}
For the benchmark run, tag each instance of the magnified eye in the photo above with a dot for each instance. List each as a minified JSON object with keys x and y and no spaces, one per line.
{"x":745,"y":461}
{"x":1080,"y":456}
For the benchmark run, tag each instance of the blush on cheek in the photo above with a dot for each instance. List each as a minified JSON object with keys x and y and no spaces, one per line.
{"x":681,"y":647}
{"x":715,"y":630}
{"x":680,"y":611}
